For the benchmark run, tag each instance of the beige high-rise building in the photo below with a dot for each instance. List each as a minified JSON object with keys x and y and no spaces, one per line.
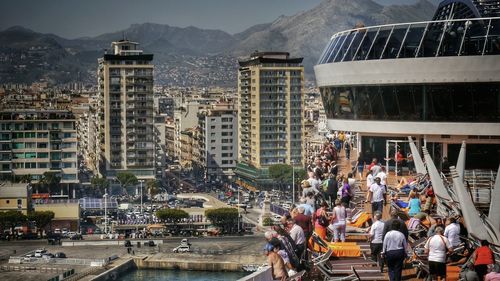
{"x":270,"y":118}
{"x":125,"y":79}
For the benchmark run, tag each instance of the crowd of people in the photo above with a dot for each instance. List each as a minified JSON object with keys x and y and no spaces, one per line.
{"x":325,"y":208}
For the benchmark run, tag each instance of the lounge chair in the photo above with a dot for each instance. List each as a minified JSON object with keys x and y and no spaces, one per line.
{"x":296,"y":276}
{"x":364,"y":275}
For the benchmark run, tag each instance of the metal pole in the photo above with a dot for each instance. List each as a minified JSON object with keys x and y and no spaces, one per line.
{"x":141,"y":195}
{"x":293,"y":184}
{"x":106,"y":212}
{"x":239,"y":205}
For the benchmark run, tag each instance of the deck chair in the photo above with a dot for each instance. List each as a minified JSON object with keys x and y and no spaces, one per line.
{"x":296,"y":276}
{"x":361,"y":220}
{"x":320,"y":258}
{"x":368,"y":275}
{"x":336,"y":269}
{"x":332,"y":277}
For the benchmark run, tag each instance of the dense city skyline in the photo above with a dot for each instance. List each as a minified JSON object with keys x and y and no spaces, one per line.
{"x":40,"y":15}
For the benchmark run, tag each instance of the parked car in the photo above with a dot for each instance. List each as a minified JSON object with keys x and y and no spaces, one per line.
{"x":54,"y":238}
{"x":182,"y":249}
{"x":185,"y":241}
{"x":60,"y":255}
{"x":40,"y":252}
{"x":76,"y":236}
{"x":48,"y":255}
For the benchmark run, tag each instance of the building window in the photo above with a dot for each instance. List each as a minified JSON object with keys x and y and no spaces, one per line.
{"x":43,"y":155}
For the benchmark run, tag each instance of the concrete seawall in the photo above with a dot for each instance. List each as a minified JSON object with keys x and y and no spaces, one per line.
{"x":114,"y":273}
{"x":201,"y":263}
{"x":178,"y":262}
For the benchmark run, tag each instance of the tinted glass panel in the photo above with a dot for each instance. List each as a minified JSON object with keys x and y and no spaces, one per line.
{"x":379,"y":44}
{"x":493,"y":42}
{"x":431,"y":41}
{"x":452,"y":38}
{"x":395,"y":41}
{"x":344,"y":47}
{"x":327,"y":50}
{"x":471,"y":102}
{"x":335,"y":48}
{"x":365,"y":44}
{"x":412,"y":41}
{"x":349,"y":54}
{"x":474,"y":38}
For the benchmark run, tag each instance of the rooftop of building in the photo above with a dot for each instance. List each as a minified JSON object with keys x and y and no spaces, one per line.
{"x":257,"y":58}
{"x":35,"y":114}
{"x":13,"y":190}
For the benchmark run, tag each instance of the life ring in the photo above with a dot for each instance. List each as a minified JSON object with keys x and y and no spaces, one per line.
{"x":112,"y":275}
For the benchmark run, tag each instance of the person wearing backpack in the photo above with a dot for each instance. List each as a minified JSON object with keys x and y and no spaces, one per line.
{"x":332,"y":188}
{"x":437,"y":247}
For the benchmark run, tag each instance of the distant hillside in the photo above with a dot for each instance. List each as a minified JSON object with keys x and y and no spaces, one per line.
{"x":187,"y":55}
{"x":306,"y":34}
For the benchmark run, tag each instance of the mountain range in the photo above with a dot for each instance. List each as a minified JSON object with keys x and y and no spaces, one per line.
{"x":184,"y":56}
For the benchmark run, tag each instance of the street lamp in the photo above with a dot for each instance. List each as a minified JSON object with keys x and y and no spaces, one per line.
{"x":106,"y":211}
{"x":239,"y":205}
{"x":141,"y":181}
{"x":293,"y":183}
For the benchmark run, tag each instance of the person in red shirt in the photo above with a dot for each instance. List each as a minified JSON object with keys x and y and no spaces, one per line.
{"x":483,"y":256}
{"x":374,"y":162}
{"x":304,"y":222}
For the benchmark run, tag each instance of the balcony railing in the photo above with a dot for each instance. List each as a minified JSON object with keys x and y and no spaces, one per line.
{"x":462,"y":37}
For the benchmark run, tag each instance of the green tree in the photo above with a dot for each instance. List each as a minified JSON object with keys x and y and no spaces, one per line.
{"x":14,"y":218}
{"x":50,"y":180}
{"x":127,"y":180}
{"x":41,"y":219}
{"x":225,"y":218}
{"x":267,"y":222}
{"x":281,"y":173}
{"x":99,"y":185}
{"x":172,"y":215}
{"x":25,"y":178}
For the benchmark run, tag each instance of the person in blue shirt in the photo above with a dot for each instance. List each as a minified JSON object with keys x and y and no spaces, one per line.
{"x":413,"y":205}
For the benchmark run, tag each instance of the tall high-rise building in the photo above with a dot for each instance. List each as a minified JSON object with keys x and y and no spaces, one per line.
{"x":125,"y":80}
{"x":270,"y":121}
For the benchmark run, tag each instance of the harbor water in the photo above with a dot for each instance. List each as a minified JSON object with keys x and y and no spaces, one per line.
{"x":178,"y":275}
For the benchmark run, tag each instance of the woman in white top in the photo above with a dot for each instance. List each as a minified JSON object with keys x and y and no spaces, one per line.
{"x":339,"y":221}
{"x":369,"y":179}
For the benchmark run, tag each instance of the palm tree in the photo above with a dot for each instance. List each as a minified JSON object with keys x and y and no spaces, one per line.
{"x":51,"y":180}
{"x":99,"y":185}
{"x":127,"y":179}
{"x":152,"y":187}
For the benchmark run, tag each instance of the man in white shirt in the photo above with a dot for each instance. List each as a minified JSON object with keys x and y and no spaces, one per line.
{"x":452,"y":232}
{"x":376,"y":195}
{"x":437,"y":247}
{"x":376,"y":242}
{"x":394,"y":251}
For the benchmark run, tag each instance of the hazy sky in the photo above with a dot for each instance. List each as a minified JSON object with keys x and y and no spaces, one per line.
{"x":77,"y":18}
